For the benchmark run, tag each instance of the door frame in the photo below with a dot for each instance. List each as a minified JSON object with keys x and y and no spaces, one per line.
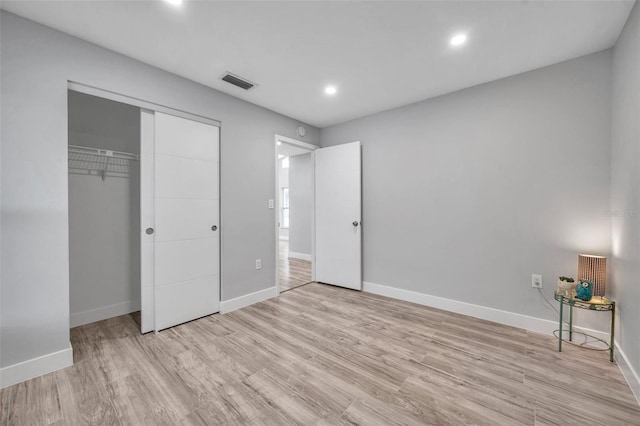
{"x":146,"y":268}
{"x":311,"y":148}
{"x":140,"y":103}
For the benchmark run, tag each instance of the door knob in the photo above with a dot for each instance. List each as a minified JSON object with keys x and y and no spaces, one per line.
{"x":149,"y":231}
{"x":214,"y":228}
{"x":355,"y":223}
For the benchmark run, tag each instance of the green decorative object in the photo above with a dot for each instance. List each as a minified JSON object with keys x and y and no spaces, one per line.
{"x":584,"y":290}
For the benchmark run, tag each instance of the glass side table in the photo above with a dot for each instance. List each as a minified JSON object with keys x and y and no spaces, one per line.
{"x":597,"y":303}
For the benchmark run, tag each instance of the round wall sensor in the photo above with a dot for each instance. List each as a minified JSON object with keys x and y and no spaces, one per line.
{"x":301,"y":131}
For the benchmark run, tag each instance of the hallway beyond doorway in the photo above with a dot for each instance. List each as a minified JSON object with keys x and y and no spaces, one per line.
{"x":293,"y":272}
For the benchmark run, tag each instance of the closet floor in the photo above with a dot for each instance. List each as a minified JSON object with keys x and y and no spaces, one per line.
{"x":324,"y":355}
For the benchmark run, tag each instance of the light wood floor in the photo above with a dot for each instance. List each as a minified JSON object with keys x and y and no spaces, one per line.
{"x":293,"y":272}
{"x":324,"y":355}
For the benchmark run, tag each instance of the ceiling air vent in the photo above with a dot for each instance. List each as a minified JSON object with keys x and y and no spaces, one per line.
{"x":237,"y":81}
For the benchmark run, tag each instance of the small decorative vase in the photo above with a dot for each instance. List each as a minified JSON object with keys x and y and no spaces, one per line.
{"x":565,"y":288}
{"x":584,"y":290}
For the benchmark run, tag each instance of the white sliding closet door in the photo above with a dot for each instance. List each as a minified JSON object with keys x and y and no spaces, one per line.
{"x":186,"y":247}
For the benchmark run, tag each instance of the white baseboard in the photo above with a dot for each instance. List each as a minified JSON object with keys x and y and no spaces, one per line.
{"x":227,"y":306}
{"x":301,"y":256}
{"x":630,"y":375}
{"x":102,"y":313}
{"x":35,"y":367}
{"x":512,"y":319}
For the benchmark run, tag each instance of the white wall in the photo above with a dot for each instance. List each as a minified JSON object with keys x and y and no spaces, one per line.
{"x":37,"y":63}
{"x":104,"y":215}
{"x":283,"y":182}
{"x":625,"y":194}
{"x":468,"y":194}
{"x":301,"y":203}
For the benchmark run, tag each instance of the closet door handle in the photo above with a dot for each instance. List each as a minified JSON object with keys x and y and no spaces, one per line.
{"x":149,"y":231}
{"x":214,"y":228}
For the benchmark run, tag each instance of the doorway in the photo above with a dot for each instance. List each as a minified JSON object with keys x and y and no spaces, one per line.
{"x":294,"y":218}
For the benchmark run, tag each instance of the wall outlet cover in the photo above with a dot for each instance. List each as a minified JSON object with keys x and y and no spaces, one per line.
{"x":536,"y":281}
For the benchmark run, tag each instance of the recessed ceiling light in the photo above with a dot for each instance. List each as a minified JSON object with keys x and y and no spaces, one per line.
{"x":174,"y":2}
{"x":279,"y":143}
{"x":330,"y":90}
{"x":458,"y":39}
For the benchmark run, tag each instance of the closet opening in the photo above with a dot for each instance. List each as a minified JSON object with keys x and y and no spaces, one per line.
{"x":104,"y":209}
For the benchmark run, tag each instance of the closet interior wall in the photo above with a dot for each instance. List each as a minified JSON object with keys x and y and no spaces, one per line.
{"x":104,"y":212}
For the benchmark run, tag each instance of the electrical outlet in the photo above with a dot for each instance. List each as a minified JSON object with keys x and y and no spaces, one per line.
{"x":536,"y":281}
{"x":258,"y":263}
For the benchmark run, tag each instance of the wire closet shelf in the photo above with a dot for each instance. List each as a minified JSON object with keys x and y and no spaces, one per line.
{"x":100,"y":162}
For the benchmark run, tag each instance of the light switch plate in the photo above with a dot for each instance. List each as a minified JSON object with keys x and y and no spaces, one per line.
{"x":271,"y":204}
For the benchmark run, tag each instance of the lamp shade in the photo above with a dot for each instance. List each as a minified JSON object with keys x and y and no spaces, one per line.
{"x":593,"y":268}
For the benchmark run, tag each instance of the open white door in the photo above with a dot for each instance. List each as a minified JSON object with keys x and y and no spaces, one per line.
{"x":338,"y":216}
{"x":186,"y":248}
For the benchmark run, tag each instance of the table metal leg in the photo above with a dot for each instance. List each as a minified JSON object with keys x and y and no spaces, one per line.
{"x":571,"y":323}
{"x":613,"y":324}
{"x":560,"y":328}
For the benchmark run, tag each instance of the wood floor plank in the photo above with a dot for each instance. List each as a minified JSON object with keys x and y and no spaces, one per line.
{"x":461,"y":360}
{"x":452,"y":403}
{"x":587,"y":397}
{"x":358,"y":383}
{"x":323,"y":355}
{"x":138,"y":400}
{"x":337,"y":350}
{"x":581,"y":361}
{"x":83,"y":396}
{"x":33,"y":402}
{"x":359,"y":372}
{"x":5,"y":405}
{"x":317,"y":389}
{"x":236,"y":405}
{"x":302,"y":411}
{"x":87,"y":341}
{"x":371,"y":412}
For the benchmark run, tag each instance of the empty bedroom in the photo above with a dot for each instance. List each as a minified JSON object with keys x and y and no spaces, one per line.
{"x":320,"y":212}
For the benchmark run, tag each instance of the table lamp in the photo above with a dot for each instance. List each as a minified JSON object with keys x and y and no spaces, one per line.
{"x":593,"y":268}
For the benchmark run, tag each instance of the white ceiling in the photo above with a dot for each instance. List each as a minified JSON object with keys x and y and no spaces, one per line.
{"x":378,"y":54}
